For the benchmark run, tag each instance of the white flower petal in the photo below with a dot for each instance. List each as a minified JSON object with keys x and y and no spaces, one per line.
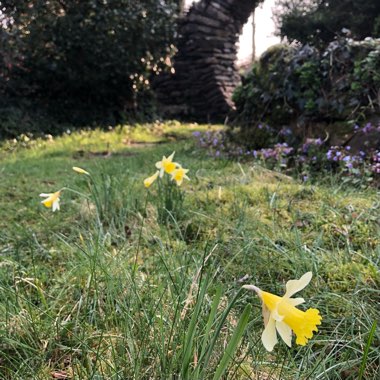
{"x":269,"y":335}
{"x":170,"y":158}
{"x":276,"y":316}
{"x":295,"y":301}
{"x":55,"y":205}
{"x":294,"y":286}
{"x":266,"y":314}
{"x":45,"y":194}
{"x":285,"y":332}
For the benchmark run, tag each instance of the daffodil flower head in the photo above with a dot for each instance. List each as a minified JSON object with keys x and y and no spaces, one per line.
{"x":281,"y":315}
{"x":52,"y":200}
{"x":179,"y":174}
{"x":148,"y":181}
{"x":166,"y":165}
{"x":80,"y":170}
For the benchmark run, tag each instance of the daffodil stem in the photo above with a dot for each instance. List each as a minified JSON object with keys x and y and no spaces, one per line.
{"x":75,"y":192}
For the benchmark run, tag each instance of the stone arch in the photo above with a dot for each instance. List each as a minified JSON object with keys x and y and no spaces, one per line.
{"x":205,"y":75}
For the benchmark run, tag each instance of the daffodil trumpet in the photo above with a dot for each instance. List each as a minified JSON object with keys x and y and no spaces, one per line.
{"x":281,"y":315}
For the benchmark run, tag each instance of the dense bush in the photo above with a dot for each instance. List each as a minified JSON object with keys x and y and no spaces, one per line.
{"x":82,"y":60}
{"x":319,"y":21}
{"x":298,"y":86}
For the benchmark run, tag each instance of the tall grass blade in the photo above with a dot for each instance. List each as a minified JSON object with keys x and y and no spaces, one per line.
{"x":233,"y":344}
{"x":366,"y":350}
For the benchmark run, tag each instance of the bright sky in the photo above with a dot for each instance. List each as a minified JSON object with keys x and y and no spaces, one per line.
{"x":264,"y":31}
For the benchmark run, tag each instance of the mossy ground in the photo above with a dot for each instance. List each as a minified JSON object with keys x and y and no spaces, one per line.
{"x":104,"y":290}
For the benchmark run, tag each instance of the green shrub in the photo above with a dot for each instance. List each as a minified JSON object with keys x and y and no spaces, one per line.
{"x":298,"y":85}
{"x":82,"y":61}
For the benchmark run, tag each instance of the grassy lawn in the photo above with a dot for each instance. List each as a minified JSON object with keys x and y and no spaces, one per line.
{"x":113,"y":287}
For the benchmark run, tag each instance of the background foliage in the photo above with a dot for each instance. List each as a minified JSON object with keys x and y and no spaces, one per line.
{"x":81,"y":61}
{"x":299,"y":85}
{"x":320,"y":21}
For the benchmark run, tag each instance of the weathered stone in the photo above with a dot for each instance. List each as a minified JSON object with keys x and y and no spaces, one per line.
{"x":205,"y":74}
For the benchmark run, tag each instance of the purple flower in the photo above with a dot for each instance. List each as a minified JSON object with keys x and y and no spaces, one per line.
{"x":305,"y":148}
{"x":368,"y":128}
{"x":302,"y":159}
{"x":285,"y":132}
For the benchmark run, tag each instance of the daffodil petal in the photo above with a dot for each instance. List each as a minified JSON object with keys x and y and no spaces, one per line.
{"x":294,"y":286}
{"x":56,"y":205}
{"x":285,"y":332}
{"x":266,"y":314}
{"x":269,"y":335}
{"x":296,"y":301}
{"x":170,"y":158}
{"x":46,"y":194}
{"x":276,"y":316}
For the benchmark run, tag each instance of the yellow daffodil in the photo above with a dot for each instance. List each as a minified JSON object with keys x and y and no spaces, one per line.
{"x":80,"y":170}
{"x":179,"y":174}
{"x":281,"y":314}
{"x":52,"y":200}
{"x":166,"y":165}
{"x":148,"y":181}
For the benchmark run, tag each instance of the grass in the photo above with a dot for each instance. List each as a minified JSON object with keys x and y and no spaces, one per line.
{"x":104,"y":290}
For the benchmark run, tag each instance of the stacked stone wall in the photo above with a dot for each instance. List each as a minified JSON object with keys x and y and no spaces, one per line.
{"x":205,"y":74}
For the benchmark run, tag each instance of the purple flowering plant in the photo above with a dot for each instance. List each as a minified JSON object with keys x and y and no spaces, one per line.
{"x":307,"y":160}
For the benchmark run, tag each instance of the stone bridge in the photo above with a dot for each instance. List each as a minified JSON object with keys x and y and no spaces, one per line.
{"x":205,"y":75}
